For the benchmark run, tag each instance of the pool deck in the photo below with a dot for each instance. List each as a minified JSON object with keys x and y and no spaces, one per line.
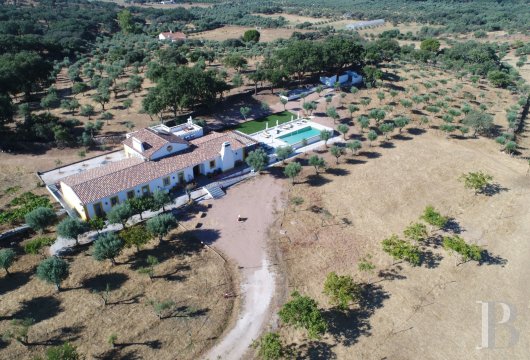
{"x":270,"y":136}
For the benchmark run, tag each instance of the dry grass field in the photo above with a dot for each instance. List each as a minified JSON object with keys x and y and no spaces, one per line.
{"x":349,"y":209}
{"x":235,"y":32}
{"x":192,"y":276}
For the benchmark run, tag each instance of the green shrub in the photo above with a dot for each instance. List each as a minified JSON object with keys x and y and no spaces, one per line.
{"x":34,"y":246}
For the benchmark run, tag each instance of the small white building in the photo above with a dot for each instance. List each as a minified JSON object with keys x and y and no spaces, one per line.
{"x":172,"y":36}
{"x":157,"y":159}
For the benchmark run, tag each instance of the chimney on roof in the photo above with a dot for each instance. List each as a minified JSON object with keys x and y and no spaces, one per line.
{"x":227,"y":156}
{"x":137,"y":145}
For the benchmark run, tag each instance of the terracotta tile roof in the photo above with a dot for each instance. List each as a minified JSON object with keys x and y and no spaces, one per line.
{"x":99,"y":183}
{"x":152,"y":141}
{"x":174,"y":35}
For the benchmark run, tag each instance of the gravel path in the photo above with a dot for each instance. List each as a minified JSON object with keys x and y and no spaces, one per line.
{"x":246,"y":243}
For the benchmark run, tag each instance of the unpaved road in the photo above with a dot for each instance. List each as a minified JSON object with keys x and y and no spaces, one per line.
{"x":246,"y":243}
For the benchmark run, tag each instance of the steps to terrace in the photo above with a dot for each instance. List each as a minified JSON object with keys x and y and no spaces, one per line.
{"x":214,"y":189}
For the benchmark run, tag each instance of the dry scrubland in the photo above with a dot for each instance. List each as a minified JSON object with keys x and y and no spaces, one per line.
{"x":349,"y":209}
{"x":433,"y":308}
{"x":235,"y":32}
{"x":192,"y":276}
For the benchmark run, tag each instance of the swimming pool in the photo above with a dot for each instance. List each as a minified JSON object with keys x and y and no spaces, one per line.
{"x":300,"y":134}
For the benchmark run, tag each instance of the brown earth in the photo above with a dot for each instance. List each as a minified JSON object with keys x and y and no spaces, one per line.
{"x":189,"y":274}
{"x":350,"y":208}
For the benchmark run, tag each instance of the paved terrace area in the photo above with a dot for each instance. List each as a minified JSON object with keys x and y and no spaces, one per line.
{"x":53,"y":176}
{"x":271,"y":136}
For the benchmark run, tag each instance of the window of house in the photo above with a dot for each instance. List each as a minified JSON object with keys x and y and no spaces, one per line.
{"x":212,"y":164}
{"x":181,"y":177}
{"x":166,"y":181}
{"x":169,"y":148}
{"x":98,"y":209}
{"x":130,"y":194}
{"x":145,"y":189}
{"x":114,"y":201}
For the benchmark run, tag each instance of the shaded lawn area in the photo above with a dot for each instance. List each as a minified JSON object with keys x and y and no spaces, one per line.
{"x":253,"y":126}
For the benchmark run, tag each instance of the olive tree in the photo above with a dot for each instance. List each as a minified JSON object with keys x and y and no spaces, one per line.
{"x":71,"y":228}
{"x":354,"y":146}
{"x":302,"y":312}
{"x":343,"y":129}
{"x":7,"y":257}
{"x":53,"y":271}
{"x":478,"y":181}
{"x":337,"y":152}
{"x":120,"y":213}
{"x":416,"y":232}
{"x":480,"y":122}
{"x":342,"y":290}
{"x":283,"y":152}
{"x":434,"y":218}
{"x":467,"y":252}
{"x":160,"y":200}
{"x":317,"y":162}
{"x":402,"y":250}
{"x":136,"y":236}
{"x":106,"y":247}
{"x":292,"y":170}
{"x":269,"y":346}
{"x":161,"y":225}
{"x":40,"y":218}
{"x":257,"y":160}
{"x":325,"y":135}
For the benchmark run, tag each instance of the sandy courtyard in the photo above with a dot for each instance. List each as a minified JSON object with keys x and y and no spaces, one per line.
{"x":257,"y":201}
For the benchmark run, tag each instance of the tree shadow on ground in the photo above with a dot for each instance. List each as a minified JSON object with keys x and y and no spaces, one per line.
{"x":15,"y":280}
{"x":39,"y":308}
{"x":172,"y":276}
{"x":355,"y":161}
{"x":314,"y":350}
{"x":116,"y":353}
{"x":453,"y":226}
{"x":317,"y":180}
{"x":493,"y":189}
{"x":490,"y":259}
{"x":3,"y":343}
{"x":392,"y":273}
{"x":416,"y":131}
{"x":402,"y":137}
{"x":100,"y":282}
{"x":153,"y":344}
{"x":191,"y":211}
{"x":387,"y":144}
{"x":337,"y":171}
{"x":64,"y":334}
{"x":190,"y":240}
{"x":430,"y":259}
{"x":370,"y":154}
{"x":348,"y":326}
{"x":435,"y":241}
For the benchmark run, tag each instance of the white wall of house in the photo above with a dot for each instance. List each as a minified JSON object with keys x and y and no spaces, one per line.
{"x":158,"y":184}
{"x":165,"y":151}
{"x":71,"y":198}
{"x":129,"y":152}
{"x":155,"y":185}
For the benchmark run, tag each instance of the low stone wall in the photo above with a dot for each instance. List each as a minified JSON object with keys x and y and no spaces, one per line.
{"x":108,"y":140}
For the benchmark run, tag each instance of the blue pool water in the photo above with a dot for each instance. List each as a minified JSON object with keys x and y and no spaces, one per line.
{"x":300,"y":134}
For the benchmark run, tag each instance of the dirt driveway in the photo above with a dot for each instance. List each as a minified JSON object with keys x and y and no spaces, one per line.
{"x":245,"y":243}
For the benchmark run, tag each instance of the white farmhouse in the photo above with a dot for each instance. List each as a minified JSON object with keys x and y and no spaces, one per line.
{"x":157,"y":159}
{"x":172,"y":36}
